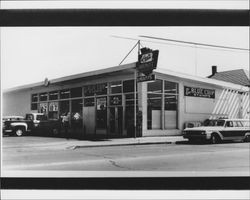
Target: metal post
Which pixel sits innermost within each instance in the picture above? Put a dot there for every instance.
(135, 86)
(135, 82)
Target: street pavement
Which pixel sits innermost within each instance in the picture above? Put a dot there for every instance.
(164, 155)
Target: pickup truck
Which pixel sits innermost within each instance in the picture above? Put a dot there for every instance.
(31, 123)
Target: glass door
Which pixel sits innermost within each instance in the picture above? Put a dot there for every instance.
(116, 120)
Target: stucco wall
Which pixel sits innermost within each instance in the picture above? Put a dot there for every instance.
(16, 103)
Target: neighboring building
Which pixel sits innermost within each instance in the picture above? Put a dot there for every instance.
(104, 101)
(237, 76)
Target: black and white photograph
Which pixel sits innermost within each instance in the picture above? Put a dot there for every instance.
(97, 102)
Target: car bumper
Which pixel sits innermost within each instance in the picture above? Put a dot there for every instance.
(201, 137)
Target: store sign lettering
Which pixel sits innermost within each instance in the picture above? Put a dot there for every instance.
(150, 77)
(147, 61)
(199, 92)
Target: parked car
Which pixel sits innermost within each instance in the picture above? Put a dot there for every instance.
(32, 123)
(218, 130)
(10, 125)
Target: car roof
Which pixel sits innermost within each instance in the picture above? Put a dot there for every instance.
(237, 119)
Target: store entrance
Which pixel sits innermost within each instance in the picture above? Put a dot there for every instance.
(116, 120)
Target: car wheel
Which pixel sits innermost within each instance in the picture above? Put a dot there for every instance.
(19, 132)
(247, 138)
(215, 139)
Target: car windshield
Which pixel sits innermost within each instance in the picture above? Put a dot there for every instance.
(215, 123)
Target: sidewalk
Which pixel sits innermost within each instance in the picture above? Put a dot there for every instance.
(125, 141)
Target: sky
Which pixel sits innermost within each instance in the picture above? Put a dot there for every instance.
(30, 54)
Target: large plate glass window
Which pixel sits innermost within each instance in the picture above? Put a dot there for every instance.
(116, 87)
(155, 104)
(34, 98)
(101, 112)
(53, 110)
(65, 94)
(43, 108)
(76, 92)
(43, 96)
(88, 102)
(115, 100)
(76, 109)
(128, 86)
(53, 95)
(101, 89)
(170, 104)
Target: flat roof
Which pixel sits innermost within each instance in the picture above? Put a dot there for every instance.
(132, 66)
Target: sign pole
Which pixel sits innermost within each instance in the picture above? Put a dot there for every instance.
(135, 86)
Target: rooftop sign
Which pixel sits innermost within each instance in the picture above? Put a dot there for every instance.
(147, 62)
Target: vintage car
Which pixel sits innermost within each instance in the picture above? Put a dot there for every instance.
(8, 122)
(218, 130)
(31, 123)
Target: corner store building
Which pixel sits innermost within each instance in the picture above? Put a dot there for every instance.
(105, 101)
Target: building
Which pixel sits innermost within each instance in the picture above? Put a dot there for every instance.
(104, 101)
(237, 76)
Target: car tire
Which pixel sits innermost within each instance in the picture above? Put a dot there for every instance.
(214, 139)
(247, 138)
(19, 131)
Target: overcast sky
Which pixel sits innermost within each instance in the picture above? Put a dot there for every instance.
(29, 54)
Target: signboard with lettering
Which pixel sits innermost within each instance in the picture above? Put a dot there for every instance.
(199, 92)
(147, 61)
(150, 77)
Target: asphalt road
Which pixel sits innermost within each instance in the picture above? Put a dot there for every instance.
(190, 158)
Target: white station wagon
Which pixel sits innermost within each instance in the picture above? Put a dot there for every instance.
(217, 130)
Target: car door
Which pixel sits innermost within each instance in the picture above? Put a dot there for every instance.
(228, 132)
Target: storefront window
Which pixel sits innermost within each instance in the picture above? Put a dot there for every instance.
(64, 94)
(53, 95)
(115, 100)
(64, 107)
(43, 108)
(101, 89)
(128, 86)
(170, 87)
(34, 98)
(76, 109)
(34, 106)
(44, 97)
(76, 92)
(170, 104)
(92, 90)
(155, 86)
(101, 112)
(154, 111)
(53, 110)
(116, 87)
(155, 104)
(129, 113)
(89, 102)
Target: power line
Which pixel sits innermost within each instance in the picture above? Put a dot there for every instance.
(172, 44)
(195, 43)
